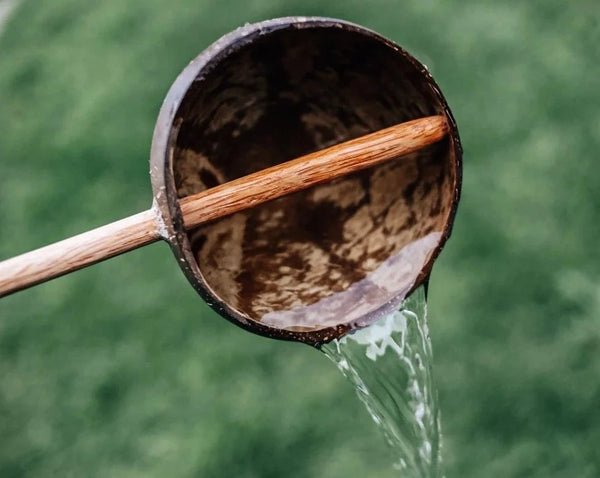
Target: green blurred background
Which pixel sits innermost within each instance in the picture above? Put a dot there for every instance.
(121, 370)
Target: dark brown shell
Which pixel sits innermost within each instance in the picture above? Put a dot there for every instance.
(313, 265)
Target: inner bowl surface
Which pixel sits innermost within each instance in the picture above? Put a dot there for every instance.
(335, 256)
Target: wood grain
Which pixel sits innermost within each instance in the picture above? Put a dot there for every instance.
(141, 229)
(77, 252)
(312, 169)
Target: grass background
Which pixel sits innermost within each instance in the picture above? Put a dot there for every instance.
(120, 370)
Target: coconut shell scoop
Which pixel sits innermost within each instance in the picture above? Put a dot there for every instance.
(302, 249)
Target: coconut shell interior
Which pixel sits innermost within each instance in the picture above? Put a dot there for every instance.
(341, 253)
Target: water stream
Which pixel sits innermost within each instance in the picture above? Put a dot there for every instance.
(390, 364)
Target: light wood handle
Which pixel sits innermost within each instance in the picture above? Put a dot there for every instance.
(77, 252)
(141, 229)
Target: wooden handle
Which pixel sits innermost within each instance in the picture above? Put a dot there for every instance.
(312, 169)
(77, 252)
(141, 229)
